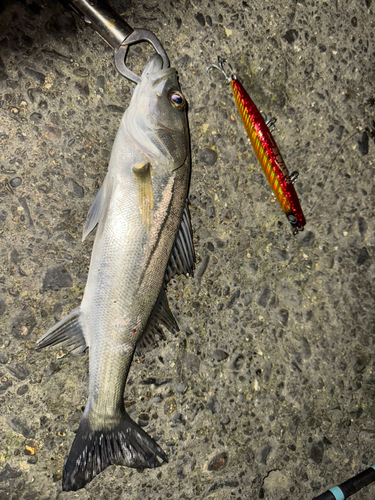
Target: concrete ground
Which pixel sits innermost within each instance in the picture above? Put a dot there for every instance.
(268, 389)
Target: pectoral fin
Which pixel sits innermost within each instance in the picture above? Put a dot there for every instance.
(145, 195)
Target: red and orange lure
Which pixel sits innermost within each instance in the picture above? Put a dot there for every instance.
(266, 150)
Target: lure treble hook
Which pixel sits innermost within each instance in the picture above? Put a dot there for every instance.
(221, 62)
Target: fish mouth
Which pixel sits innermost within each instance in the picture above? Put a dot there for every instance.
(164, 74)
(155, 70)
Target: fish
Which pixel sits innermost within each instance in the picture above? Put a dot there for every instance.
(143, 239)
(266, 150)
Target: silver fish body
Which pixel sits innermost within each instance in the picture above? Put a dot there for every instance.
(143, 238)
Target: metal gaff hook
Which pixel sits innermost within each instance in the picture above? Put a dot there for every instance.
(220, 66)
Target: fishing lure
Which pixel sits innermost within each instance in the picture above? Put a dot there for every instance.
(266, 150)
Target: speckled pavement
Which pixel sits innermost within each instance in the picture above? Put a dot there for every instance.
(268, 389)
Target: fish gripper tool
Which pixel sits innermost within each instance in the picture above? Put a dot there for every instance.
(114, 30)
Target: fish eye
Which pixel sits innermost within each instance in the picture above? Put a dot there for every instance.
(177, 100)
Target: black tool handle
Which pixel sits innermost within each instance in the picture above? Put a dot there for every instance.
(351, 486)
(325, 496)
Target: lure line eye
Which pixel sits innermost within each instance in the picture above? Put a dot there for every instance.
(177, 100)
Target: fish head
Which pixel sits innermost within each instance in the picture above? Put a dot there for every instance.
(157, 116)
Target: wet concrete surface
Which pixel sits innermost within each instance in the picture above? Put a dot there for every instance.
(268, 389)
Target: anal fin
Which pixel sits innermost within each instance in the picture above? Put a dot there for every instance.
(68, 332)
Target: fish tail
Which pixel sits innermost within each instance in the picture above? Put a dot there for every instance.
(94, 450)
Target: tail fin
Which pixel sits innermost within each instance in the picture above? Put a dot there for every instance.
(92, 451)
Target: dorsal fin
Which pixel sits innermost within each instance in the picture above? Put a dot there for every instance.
(182, 257)
(161, 315)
